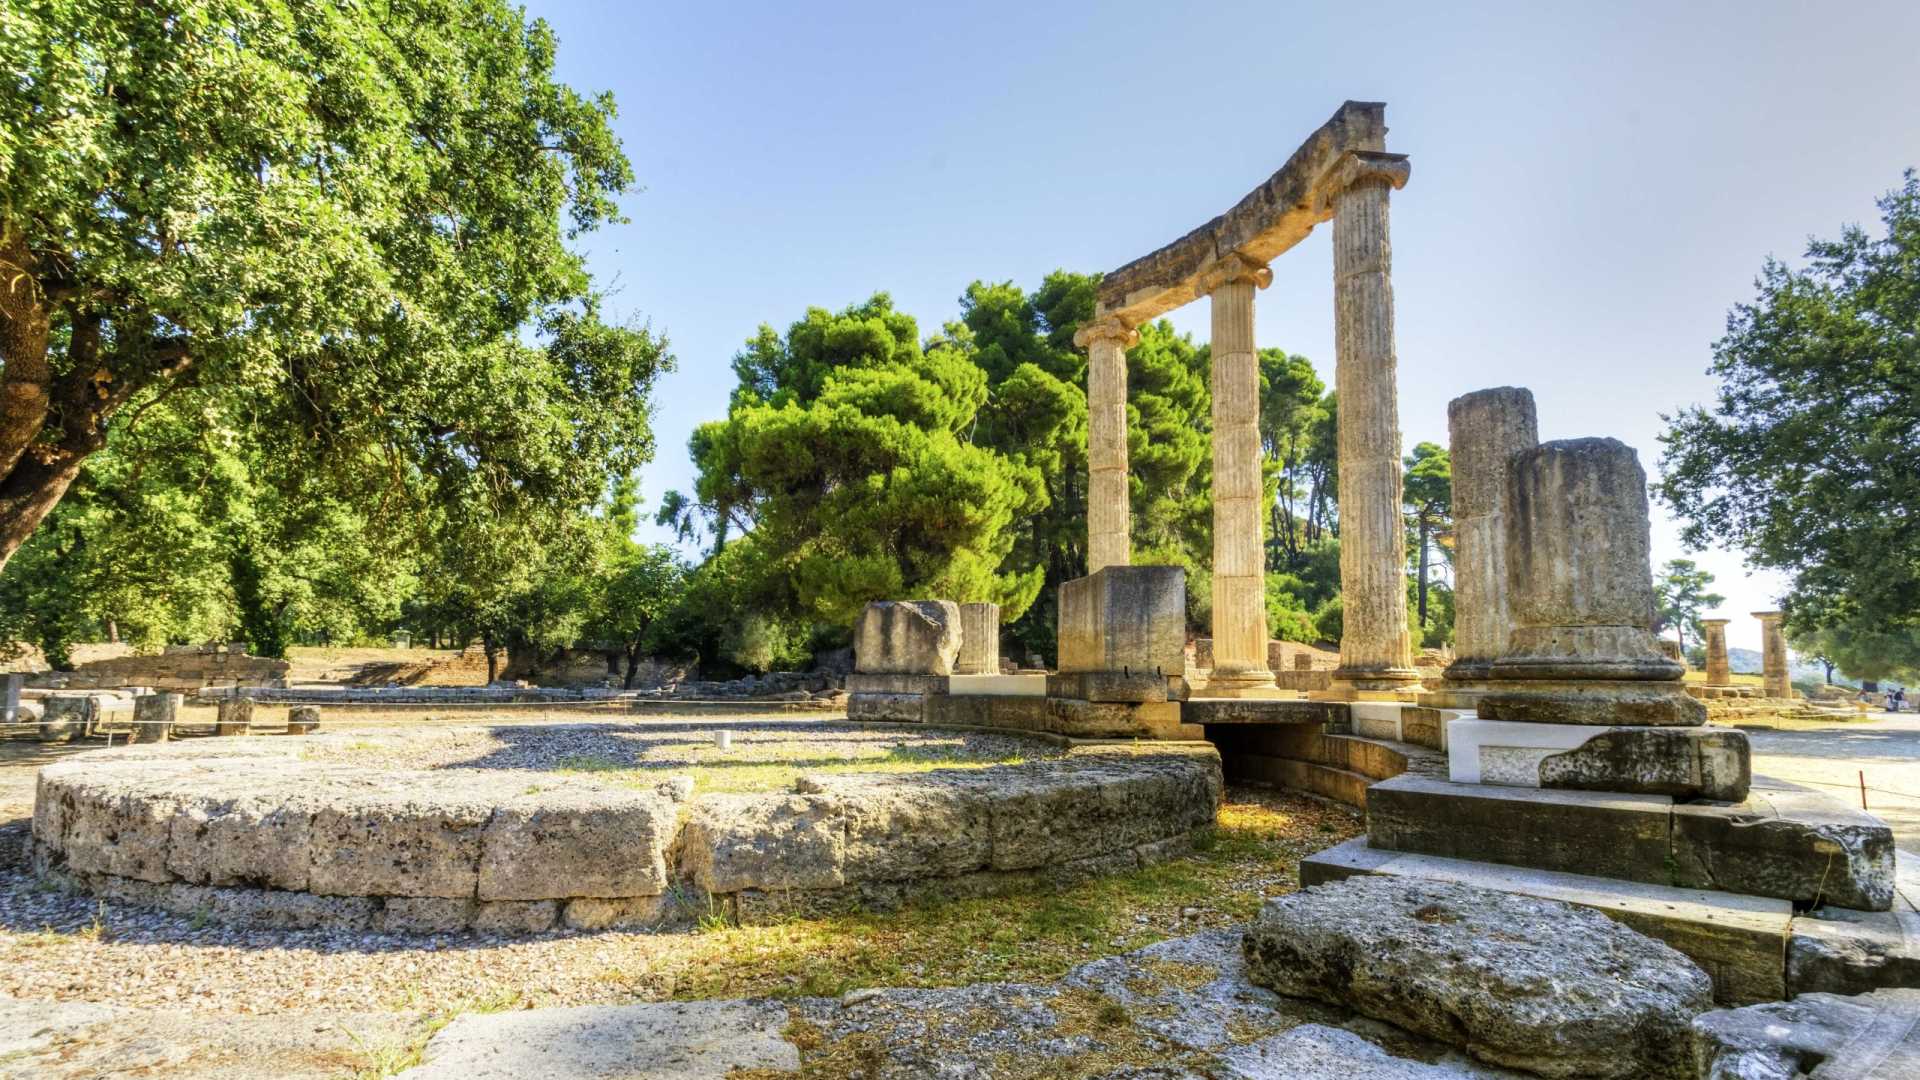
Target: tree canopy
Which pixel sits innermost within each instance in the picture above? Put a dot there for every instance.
(1679, 596)
(1809, 461)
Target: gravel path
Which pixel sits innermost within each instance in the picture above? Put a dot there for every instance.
(1832, 759)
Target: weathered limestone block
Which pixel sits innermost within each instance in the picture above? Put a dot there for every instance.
(911, 826)
(258, 832)
(514, 916)
(1580, 593)
(153, 717)
(907, 637)
(1840, 951)
(1598, 833)
(1118, 686)
(1099, 804)
(1118, 720)
(566, 840)
(733, 842)
(1514, 980)
(626, 912)
(1872, 1037)
(1485, 430)
(1788, 842)
(979, 640)
(413, 839)
(235, 716)
(113, 825)
(1125, 618)
(67, 716)
(427, 914)
(303, 719)
(898, 708)
(1686, 763)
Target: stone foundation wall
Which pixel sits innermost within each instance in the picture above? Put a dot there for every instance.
(1302, 757)
(251, 833)
(178, 670)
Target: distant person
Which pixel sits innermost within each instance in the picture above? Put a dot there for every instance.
(1899, 699)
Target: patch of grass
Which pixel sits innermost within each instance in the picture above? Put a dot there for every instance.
(382, 1060)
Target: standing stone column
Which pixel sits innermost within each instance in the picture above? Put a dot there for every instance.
(979, 640)
(1580, 594)
(1719, 671)
(10, 711)
(235, 716)
(1773, 654)
(154, 716)
(1375, 650)
(1485, 429)
(1109, 516)
(1239, 555)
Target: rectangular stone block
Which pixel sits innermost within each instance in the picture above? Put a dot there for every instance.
(259, 835)
(768, 842)
(896, 708)
(568, 841)
(907, 637)
(1110, 720)
(1787, 842)
(627, 912)
(931, 825)
(1617, 836)
(390, 844)
(1045, 817)
(1137, 686)
(870, 683)
(1125, 618)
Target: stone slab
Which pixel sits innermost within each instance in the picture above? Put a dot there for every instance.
(863, 682)
(1118, 686)
(1736, 939)
(680, 1040)
(566, 840)
(1786, 841)
(1515, 980)
(996, 685)
(1206, 710)
(1841, 951)
(1686, 763)
(1607, 835)
(1820, 1036)
(895, 708)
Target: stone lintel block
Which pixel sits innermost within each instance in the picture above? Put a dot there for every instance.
(1136, 686)
(1606, 835)
(1125, 618)
(1686, 763)
(1837, 950)
(869, 683)
(565, 840)
(1330, 714)
(1596, 702)
(1788, 842)
(907, 637)
(899, 708)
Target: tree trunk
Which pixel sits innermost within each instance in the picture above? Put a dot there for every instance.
(1828, 664)
(633, 665)
(1423, 572)
(29, 493)
(26, 328)
(493, 663)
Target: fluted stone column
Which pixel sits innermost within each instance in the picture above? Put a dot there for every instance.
(1580, 594)
(979, 640)
(1485, 429)
(1375, 650)
(1719, 671)
(1773, 654)
(1239, 556)
(1109, 515)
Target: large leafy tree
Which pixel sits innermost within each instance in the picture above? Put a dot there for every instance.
(1809, 462)
(844, 455)
(340, 215)
(1679, 596)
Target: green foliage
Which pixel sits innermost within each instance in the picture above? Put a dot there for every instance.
(1679, 596)
(1328, 619)
(1427, 488)
(1868, 654)
(1809, 461)
(1288, 616)
(1298, 439)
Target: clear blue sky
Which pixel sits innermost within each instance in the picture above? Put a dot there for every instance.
(1593, 185)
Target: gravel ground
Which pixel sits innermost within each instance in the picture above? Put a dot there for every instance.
(72, 948)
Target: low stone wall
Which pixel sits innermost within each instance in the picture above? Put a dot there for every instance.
(184, 669)
(250, 832)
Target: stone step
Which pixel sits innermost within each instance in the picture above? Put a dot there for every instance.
(1738, 940)
(1785, 842)
(1823, 1036)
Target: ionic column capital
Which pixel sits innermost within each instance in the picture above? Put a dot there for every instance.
(1360, 167)
(1234, 268)
(1107, 328)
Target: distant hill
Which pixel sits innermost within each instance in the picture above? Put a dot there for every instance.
(1745, 661)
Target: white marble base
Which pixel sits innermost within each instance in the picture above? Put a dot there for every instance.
(999, 685)
(1507, 752)
(1378, 719)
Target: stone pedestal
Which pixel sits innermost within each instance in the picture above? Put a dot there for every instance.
(303, 719)
(1375, 650)
(1773, 654)
(235, 716)
(1580, 593)
(1719, 671)
(979, 640)
(1239, 556)
(1485, 429)
(903, 650)
(65, 717)
(1125, 619)
(153, 717)
(1109, 515)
